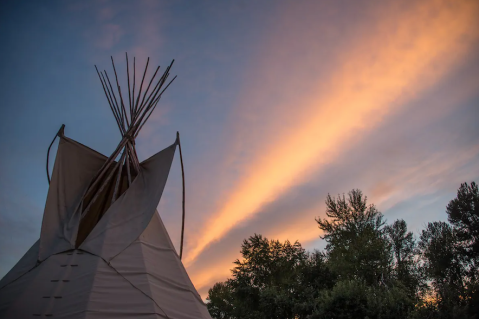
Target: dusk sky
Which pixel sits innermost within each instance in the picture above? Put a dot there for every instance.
(278, 103)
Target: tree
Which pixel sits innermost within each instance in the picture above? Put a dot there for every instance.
(266, 283)
(315, 277)
(220, 301)
(347, 299)
(356, 245)
(354, 299)
(463, 214)
(269, 263)
(368, 269)
(404, 251)
(443, 265)
(451, 255)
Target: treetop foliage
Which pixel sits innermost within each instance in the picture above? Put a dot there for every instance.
(369, 269)
(463, 214)
(352, 215)
(356, 245)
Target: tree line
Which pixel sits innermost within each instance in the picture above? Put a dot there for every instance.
(369, 268)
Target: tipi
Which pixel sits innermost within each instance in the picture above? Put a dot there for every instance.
(103, 250)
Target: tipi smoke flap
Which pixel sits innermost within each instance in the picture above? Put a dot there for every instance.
(103, 250)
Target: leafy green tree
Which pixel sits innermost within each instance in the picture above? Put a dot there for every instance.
(450, 253)
(463, 214)
(368, 269)
(347, 299)
(220, 301)
(315, 276)
(355, 299)
(405, 253)
(443, 265)
(268, 263)
(356, 246)
(266, 283)
(269, 270)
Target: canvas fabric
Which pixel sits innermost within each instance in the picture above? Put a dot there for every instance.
(127, 267)
(25, 264)
(75, 166)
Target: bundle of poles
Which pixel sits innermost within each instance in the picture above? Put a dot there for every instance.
(141, 106)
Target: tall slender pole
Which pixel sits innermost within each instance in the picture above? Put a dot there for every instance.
(60, 132)
(183, 198)
(119, 92)
(118, 178)
(141, 86)
(129, 89)
(109, 102)
(141, 108)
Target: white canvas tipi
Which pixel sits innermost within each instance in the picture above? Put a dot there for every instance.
(103, 250)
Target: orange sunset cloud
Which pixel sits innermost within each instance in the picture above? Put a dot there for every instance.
(402, 54)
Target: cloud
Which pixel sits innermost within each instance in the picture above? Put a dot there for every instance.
(397, 58)
(119, 27)
(105, 30)
(146, 37)
(412, 162)
(108, 36)
(106, 13)
(424, 183)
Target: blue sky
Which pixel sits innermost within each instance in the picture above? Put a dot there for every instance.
(278, 104)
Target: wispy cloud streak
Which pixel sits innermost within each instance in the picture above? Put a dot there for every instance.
(374, 79)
